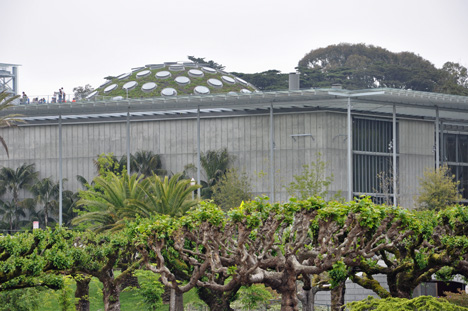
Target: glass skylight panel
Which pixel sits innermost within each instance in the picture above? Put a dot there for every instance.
(215, 83)
(209, 70)
(148, 87)
(181, 80)
(196, 73)
(92, 95)
(163, 74)
(245, 91)
(228, 80)
(201, 90)
(130, 85)
(124, 76)
(110, 88)
(143, 73)
(169, 91)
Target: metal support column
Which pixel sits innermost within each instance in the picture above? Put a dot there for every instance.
(272, 157)
(198, 151)
(128, 141)
(60, 171)
(394, 149)
(437, 148)
(350, 153)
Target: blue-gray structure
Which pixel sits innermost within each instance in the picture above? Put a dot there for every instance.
(9, 78)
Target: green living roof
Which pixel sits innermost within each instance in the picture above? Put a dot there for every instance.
(172, 79)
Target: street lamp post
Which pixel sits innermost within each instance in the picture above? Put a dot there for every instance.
(192, 183)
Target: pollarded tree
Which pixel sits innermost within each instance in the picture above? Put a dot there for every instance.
(24, 257)
(100, 255)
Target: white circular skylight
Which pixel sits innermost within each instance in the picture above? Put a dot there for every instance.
(196, 73)
(245, 91)
(143, 73)
(176, 68)
(228, 80)
(163, 74)
(209, 70)
(201, 90)
(155, 66)
(242, 81)
(169, 91)
(215, 83)
(148, 87)
(130, 85)
(92, 95)
(117, 98)
(110, 88)
(232, 93)
(124, 76)
(181, 80)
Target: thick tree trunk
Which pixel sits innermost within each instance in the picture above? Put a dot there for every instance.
(307, 298)
(82, 293)
(338, 297)
(289, 294)
(177, 301)
(130, 281)
(216, 300)
(110, 292)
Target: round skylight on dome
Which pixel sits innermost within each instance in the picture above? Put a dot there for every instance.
(196, 73)
(228, 80)
(117, 98)
(176, 68)
(163, 74)
(215, 83)
(124, 76)
(130, 85)
(169, 91)
(143, 73)
(189, 64)
(241, 81)
(209, 70)
(155, 66)
(201, 90)
(181, 80)
(92, 95)
(232, 93)
(110, 88)
(245, 91)
(148, 87)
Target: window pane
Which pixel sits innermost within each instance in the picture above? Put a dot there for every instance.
(450, 148)
(463, 148)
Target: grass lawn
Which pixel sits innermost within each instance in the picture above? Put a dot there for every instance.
(129, 299)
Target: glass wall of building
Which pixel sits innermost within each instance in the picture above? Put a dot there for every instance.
(373, 159)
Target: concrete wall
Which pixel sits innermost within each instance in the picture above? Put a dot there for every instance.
(245, 137)
(416, 155)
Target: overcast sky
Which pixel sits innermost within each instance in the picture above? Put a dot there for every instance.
(69, 43)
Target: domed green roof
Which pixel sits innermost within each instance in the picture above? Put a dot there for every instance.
(172, 79)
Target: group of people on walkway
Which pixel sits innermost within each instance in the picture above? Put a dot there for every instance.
(61, 96)
(58, 97)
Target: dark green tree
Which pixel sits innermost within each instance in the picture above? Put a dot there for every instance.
(14, 180)
(8, 120)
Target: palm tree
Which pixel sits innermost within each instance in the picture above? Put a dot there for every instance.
(119, 200)
(9, 213)
(15, 180)
(169, 196)
(46, 193)
(215, 163)
(6, 101)
(146, 163)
